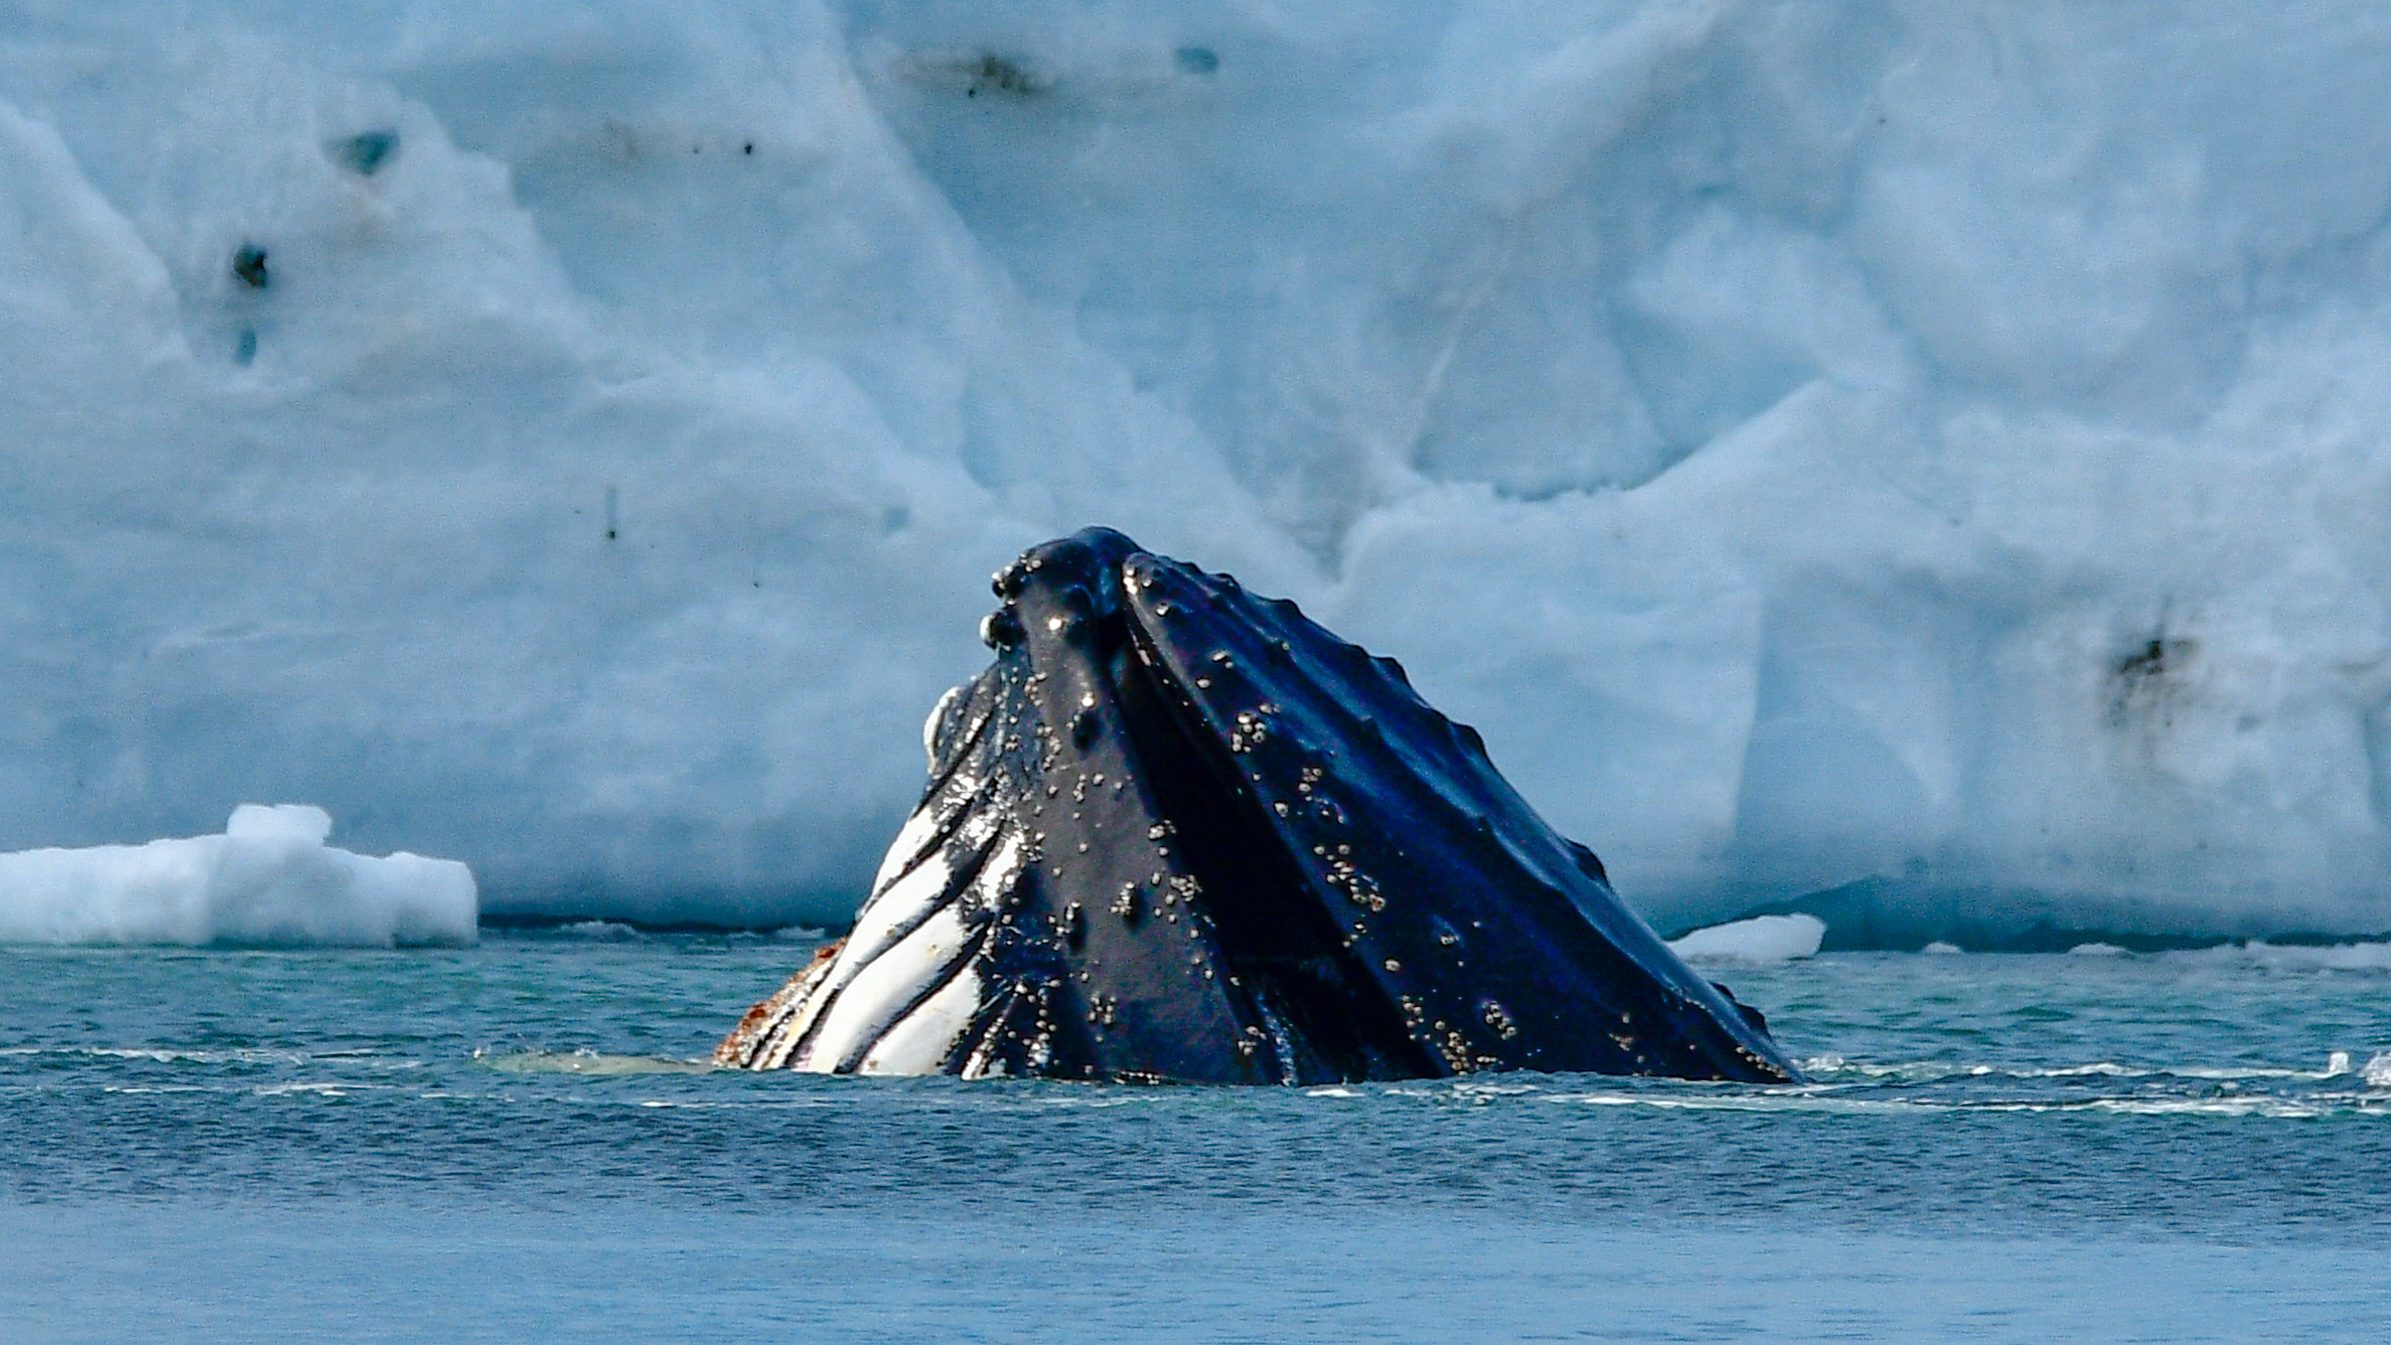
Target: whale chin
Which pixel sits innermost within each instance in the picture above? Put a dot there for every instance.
(1178, 832)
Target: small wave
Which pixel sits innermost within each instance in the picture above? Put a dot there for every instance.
(590, 1063)
(2271, 1105)
(2291, 956)
(1830, 1068)
(163, 1056)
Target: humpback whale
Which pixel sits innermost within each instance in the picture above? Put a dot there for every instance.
(1178, 832)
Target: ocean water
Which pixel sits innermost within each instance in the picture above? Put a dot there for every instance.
(520, 1141)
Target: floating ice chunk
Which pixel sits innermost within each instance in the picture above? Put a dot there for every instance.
(1938, 948)
(1763, 938)
(602, 931)
(269, 879)
(2377, 1073)
(2099, 950)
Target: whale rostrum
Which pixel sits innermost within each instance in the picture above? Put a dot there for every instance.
(1180, 832)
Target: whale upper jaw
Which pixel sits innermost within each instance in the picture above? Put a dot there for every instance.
(1179, 832)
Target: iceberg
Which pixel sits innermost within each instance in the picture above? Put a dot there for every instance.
(1939, 447)
(268, 880)
(1762, 938)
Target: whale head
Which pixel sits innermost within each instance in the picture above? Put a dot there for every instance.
(1177, 831)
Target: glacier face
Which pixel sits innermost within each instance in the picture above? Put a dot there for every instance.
(1816, 443)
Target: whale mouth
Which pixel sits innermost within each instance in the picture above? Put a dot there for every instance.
(1176, 831)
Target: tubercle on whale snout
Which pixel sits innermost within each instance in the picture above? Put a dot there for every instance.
(1177, 831)
(1085, 573)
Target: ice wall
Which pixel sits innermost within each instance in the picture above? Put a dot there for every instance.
(269, 879)
(1936, 451)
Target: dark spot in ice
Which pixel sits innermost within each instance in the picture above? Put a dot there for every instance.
(992, 73)
(2151, 659)
(1197, 60)
(749, 148)
(244, 348)
(366, 154)
(2146, 679)
(249, 266)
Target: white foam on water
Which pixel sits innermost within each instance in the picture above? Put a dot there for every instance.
(595, 1064)
(2294, 957)
(2377, 1073)
(1763, 938)
(269, 880)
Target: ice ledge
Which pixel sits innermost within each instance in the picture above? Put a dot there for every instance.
(268, 880)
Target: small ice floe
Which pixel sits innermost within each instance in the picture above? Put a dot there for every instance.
(1763, 938)
(1938, 948)
(2099, 950)
(269, 879)
(2377, 1073)
(601, 931)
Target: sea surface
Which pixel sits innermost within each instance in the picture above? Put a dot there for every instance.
(520, 1141)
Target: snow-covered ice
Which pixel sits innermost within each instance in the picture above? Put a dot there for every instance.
(1763, 938)
(269, 879)
(1940, 445)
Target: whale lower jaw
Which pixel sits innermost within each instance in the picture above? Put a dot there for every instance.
(1176, 832)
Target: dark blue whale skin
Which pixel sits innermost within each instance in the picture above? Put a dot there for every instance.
(1246, 852)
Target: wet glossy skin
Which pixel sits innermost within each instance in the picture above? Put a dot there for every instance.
(1179, 832)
